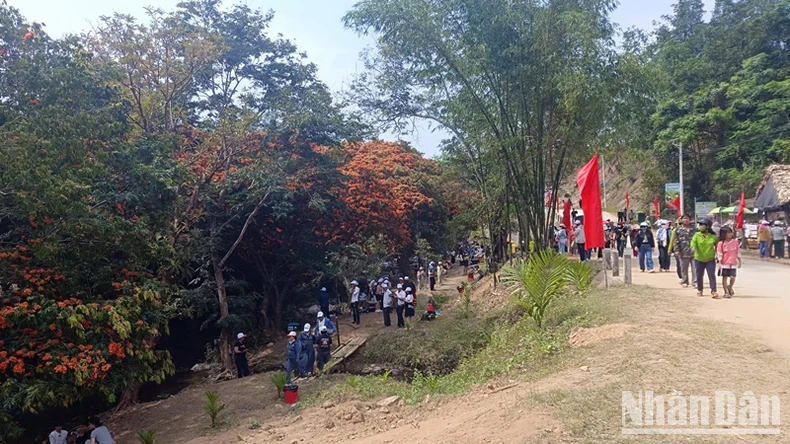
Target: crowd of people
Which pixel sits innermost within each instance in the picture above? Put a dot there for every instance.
(771, 239)
(707, 249)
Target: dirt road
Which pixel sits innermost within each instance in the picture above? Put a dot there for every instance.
(761, 304)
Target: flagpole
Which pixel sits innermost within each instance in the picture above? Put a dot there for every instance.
(680, 160)
(603, 176)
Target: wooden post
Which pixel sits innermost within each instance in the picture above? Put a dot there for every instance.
(615, 263)
(627, 268)
(607, 258)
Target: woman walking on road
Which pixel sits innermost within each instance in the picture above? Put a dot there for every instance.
(703, 245)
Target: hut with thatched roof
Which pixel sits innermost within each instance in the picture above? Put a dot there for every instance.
(773, 194)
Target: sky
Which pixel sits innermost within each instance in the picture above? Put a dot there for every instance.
(314, 25)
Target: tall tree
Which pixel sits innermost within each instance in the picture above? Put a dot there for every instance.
(527, 80)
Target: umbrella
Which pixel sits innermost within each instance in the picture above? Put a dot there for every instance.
(717, 210)
(732, 210)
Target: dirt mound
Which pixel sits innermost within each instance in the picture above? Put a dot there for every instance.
(586, 336)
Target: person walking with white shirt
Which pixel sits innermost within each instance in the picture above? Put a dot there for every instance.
(386, 304)
(410, 303)
(58, 436)
(400, 305)
(662, 242)
(355, 302)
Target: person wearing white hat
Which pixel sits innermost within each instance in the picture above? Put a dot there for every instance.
(386, 305)
(294, 356)
(307, 340)
(324, 322)
(400, 305)
(355, 302)
(240, 356)
(323, 300)
(645, 242)
(324, 342)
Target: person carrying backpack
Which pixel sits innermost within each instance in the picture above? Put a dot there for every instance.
(324, 343)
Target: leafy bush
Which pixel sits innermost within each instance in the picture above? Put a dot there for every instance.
(213, 407)
(146, 436)
(279, 380)
(580, 275)
(255, 425)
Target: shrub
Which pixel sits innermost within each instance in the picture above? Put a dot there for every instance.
(213, 407)
(279, 380)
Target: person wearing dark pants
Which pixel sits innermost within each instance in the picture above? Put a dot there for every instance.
(400, 305)
(387, 306)
(240, 356)
(703, 244)
(294, 353)
(578, 233)
(323, 300)
(324, 342)
(355, 302)
(662, 242)
(308, 349)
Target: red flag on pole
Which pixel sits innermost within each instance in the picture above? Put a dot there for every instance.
(741, 207)
(566, 214)
(676, 204)
(627, 202)
(589, 185)
(657, 208)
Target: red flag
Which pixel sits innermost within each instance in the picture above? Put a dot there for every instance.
(589, 185)
(741, 207)
(657, 208)
(676, 204)
(627, 202)
(566, 215)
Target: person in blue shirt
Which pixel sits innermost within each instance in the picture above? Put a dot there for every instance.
(294, 353)
(323, 300)
(324, 322)
(307, 340)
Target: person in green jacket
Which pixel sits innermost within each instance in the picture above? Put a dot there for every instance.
(703, 245)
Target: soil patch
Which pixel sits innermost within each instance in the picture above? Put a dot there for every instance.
(587, 336)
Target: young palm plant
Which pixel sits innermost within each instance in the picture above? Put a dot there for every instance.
(534, 284)
(212, 406)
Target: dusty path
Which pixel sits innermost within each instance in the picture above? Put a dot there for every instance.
(762, 302)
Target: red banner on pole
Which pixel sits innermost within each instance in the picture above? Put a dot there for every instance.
(589, 184)
(741, 208)
(627, 202)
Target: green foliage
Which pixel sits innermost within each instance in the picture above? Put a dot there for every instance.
(255, 425)
(435, 347)
(212, 406)
(146, 436)
(727, 97)
(466, 301)
(580, 276)
(535, 284)
(279, 380)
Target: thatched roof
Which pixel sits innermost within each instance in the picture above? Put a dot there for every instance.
(776, 181)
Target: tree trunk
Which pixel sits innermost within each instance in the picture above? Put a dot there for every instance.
(222, 297)
(128, 398)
